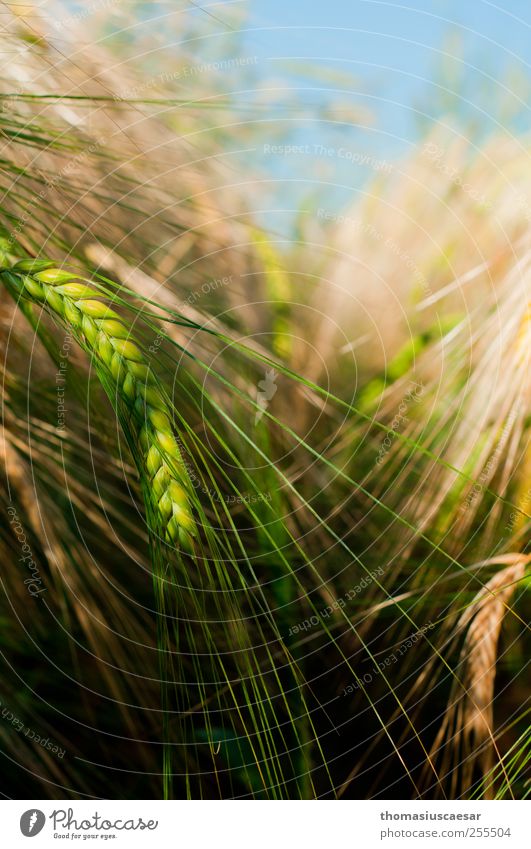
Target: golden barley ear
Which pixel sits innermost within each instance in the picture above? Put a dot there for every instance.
(466, 741)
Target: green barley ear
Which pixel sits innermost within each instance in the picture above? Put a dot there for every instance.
(127, 379)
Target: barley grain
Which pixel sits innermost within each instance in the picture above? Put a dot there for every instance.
(98, 328)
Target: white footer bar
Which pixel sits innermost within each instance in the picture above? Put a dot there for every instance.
(266, 825)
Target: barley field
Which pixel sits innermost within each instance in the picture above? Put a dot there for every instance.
(266, 476)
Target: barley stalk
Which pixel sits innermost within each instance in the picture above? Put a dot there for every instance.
(101, 331)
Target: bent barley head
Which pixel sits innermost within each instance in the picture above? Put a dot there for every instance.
(100, 330)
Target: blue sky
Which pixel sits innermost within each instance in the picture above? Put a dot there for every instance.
(392, 48)
(395, 54)
(360, 78)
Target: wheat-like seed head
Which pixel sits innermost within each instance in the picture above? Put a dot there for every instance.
(102, 332)
(467, 733)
